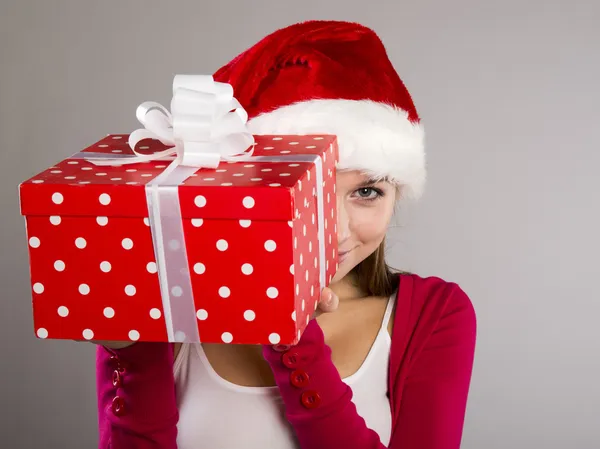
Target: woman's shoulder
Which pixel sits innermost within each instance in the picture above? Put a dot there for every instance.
(432, 301)
(431, 312)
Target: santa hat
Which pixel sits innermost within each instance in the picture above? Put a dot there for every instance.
(330, 77)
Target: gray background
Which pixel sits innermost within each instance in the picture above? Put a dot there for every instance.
(509, 94)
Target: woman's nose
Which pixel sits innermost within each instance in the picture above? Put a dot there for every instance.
(343, 223)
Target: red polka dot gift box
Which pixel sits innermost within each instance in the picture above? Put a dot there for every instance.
(233, 254)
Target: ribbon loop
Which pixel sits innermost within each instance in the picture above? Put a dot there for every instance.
(206, 125)
(200, 83)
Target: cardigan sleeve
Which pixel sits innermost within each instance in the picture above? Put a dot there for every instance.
(319, 404)
(136, 397)
(434, 395)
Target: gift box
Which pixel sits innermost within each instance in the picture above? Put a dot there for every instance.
(258, 242)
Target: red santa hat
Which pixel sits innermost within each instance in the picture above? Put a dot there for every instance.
(330, 77)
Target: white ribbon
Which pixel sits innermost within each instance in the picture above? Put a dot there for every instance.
(205, 126)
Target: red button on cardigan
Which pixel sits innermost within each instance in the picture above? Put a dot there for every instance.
(310, 399)
(281, 348)
(299, 378)
(117, 380)
(118, 406)
(291, 359)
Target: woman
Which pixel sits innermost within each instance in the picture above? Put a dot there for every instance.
(389, 365)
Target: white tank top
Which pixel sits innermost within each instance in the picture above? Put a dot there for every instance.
(215, 413)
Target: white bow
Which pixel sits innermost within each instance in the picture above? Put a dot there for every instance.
(206, 125)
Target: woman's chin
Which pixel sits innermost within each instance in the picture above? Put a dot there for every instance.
(344, 268)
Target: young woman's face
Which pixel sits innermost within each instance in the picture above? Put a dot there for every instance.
(364, 212)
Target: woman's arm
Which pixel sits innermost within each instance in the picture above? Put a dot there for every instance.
(137, 406)
(434, 397)
(319, 404)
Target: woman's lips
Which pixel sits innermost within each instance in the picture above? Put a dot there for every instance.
(343, 254)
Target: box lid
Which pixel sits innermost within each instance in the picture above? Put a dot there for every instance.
(258, 190)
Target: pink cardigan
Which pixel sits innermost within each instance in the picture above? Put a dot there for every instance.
(431, 361)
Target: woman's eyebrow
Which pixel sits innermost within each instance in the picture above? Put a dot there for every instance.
(372, 181)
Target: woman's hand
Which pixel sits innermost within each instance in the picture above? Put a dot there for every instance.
(329, 302)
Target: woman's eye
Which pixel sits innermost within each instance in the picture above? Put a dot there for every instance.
(368, 193)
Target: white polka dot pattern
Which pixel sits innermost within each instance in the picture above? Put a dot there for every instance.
(134, 335)
(226, 337)
(88, 334)
(94, 273)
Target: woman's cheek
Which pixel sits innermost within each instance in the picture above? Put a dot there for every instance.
(371, 223)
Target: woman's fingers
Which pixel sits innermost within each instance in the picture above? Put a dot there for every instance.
(329, 301)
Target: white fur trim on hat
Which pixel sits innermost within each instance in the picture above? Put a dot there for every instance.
(375, 138)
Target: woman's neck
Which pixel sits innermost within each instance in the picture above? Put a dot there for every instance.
(347, 288)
